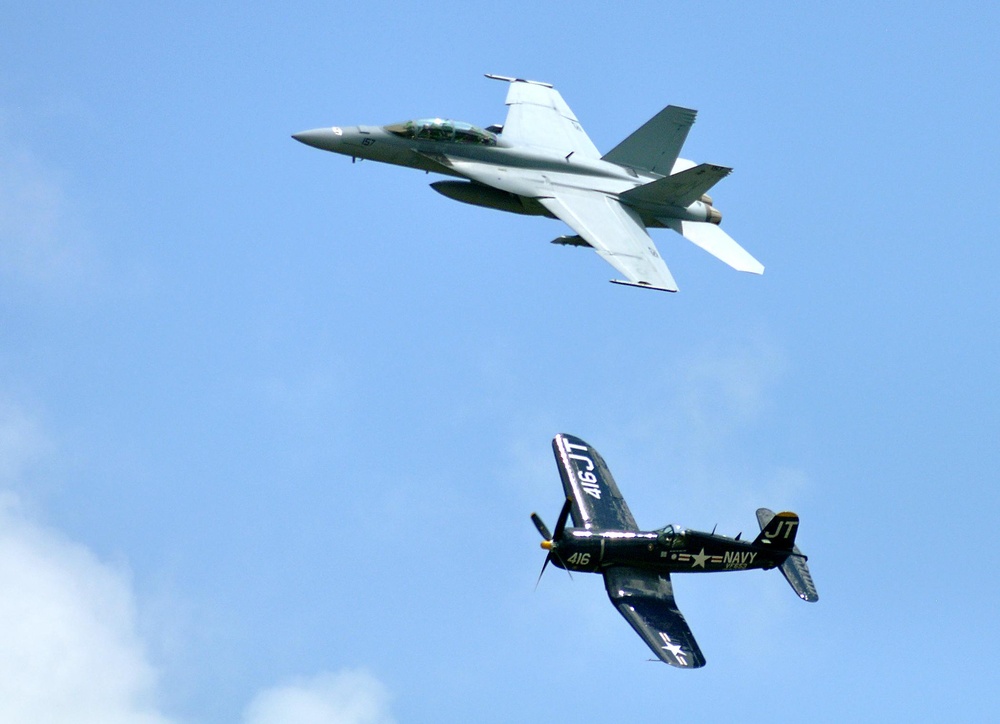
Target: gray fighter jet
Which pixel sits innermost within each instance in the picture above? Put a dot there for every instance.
(541, 162)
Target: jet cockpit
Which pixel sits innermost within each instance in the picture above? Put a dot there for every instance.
(440, 129)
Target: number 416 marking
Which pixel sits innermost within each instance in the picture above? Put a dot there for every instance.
(579, 559)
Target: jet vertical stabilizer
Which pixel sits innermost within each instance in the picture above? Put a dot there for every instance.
(656, 144)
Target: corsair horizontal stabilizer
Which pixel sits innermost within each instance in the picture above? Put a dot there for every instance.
(780, 528)
(716, 242)
(655, 145)
(796, 572)
(680, 190)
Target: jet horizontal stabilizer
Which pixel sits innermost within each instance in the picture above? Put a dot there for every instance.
(679, 190)
(717, 243)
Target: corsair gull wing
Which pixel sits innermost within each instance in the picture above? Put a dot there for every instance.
(596, 500)
(646, 600)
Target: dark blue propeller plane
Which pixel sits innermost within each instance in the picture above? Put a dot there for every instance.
(637, 564)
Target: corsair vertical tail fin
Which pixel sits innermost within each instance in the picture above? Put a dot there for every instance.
(777, 530)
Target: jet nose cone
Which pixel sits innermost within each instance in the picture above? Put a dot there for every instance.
(325, 138)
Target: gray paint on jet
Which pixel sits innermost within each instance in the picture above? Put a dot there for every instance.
(541, 162)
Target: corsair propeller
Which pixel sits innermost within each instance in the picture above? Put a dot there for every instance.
(551, 542)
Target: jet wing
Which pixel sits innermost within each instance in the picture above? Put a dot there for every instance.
(538, 116)
(597, 503)
(617, 234)
(646, 600)
(614, 230)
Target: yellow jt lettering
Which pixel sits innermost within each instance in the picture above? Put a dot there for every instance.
(789, 527)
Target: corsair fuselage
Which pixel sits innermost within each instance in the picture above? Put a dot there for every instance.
(670, 550)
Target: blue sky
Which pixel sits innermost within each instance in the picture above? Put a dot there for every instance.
(271, 425)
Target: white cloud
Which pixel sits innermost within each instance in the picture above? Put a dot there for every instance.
(347, 697)
(69, 651)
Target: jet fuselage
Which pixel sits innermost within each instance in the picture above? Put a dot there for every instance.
(529, 170)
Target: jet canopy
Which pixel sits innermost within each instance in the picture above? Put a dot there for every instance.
(439, 129)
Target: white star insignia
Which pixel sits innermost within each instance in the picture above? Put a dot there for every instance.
(699, 560)
(674, 649)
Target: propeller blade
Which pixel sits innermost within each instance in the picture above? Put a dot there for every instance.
(558, 557)
(543, 570)
(551, 540)
(542, 528)
(563, 515)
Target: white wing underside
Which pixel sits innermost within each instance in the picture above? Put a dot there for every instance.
(616, 233)
(717, 243)
(538, 116)
(614, 230)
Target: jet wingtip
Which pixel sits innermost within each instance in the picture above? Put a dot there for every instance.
(643, 285)
(509, 79)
